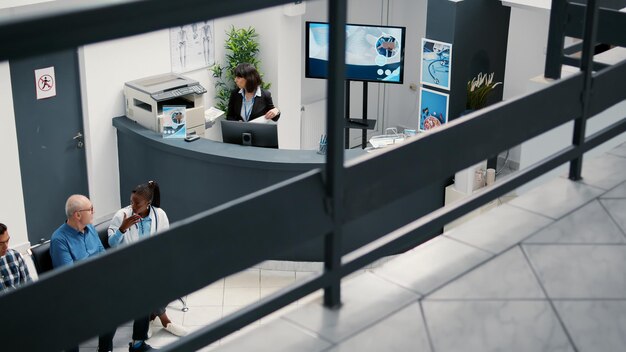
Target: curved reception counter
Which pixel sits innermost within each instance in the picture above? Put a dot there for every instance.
(196, 176)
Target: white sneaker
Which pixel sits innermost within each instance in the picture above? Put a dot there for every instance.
(176, 329)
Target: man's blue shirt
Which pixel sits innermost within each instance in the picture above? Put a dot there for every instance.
(68, 245)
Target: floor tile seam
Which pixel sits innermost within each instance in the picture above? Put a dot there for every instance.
(606, 210)
(469, 244)
(372, 323)
(575, 244)
(391, 281)
(552, 222)
(426, 328)
(223, 296)
(568, 213)
(306, 330)
(616, 186)
(590, 299)
(461, 274)
(614, 154)
(485, 299)
(568, 335)
(531, 211)
(582, 182)
(400, 285)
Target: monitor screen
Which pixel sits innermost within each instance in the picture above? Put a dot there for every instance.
(253, 134)
(373, 53)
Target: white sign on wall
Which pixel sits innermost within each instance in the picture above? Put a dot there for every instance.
(45, 83)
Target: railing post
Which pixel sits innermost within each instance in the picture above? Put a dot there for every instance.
(586, 65)
(556, 35)
(337, 12)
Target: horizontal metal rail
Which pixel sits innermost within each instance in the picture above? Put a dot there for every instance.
(483, 134)
(611, 31)
(413, 234)
(68, 24)
(192, 254)
(108, 290)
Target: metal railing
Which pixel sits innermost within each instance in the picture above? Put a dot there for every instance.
(102, 292)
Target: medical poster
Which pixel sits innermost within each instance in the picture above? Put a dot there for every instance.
(174, 122)
(436, 64)
(433, 109)
(192, 46)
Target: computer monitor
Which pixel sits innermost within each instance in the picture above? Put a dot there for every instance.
(263, 135)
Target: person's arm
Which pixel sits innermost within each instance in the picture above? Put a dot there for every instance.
(163, 220)
(24, 274)
(115, 235)
(232, 113)
(272, 111)
(60, 253)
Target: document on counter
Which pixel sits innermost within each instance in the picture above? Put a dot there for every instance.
(261, 119)
(211, 114)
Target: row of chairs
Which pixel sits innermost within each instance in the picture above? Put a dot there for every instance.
(40, 253)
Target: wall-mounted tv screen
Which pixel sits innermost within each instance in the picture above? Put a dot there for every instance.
(373, 53)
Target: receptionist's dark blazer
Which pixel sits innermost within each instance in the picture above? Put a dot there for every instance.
(261, 106)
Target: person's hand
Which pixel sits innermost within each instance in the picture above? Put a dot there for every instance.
(127, 222)
(271, 114)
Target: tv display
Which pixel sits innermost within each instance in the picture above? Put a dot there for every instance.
(373, 53)
(252, 134)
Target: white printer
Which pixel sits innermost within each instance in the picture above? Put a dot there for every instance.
(146, 97)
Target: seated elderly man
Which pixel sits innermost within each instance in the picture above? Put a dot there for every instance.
(13, 270)
(77, 239)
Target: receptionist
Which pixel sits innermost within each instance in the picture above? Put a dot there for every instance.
(249, 101)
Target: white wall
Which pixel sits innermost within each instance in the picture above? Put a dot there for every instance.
(12, 204)
(104, 68)
(402, 103)
(107, 65)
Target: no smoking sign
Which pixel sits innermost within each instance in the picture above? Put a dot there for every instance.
(45, 82)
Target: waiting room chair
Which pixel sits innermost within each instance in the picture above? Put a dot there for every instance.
(40, 253)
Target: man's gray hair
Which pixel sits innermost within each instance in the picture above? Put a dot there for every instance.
(73, 204)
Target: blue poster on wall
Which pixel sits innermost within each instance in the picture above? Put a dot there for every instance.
(436, 63)
(174, 122)
(433, 109)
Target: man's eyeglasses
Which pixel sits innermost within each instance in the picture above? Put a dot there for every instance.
(5, 242)
(89, 210)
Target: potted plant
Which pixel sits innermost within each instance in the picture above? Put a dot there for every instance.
(241, 46)
(479, 89)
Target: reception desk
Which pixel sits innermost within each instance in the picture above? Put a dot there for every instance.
(196, 176)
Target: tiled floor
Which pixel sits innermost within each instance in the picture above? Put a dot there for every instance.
(215, 301)
(544, 272)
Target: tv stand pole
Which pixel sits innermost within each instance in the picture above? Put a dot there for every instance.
(346, 141)
(364, 131)
(363, 124)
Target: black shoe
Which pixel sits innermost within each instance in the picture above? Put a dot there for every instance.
(143, 347)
